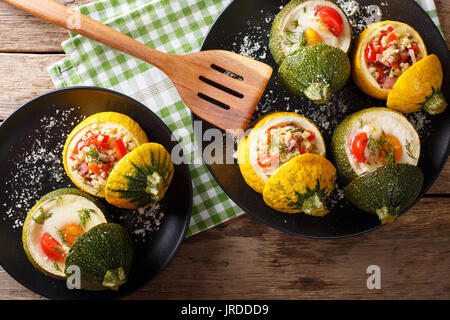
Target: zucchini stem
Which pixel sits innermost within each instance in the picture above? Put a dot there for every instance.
(318, 92)
(385, 216)
(114, 278)
(314, 206)
(435, 104)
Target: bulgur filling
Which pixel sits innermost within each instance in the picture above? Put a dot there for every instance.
(95, 151)
(279, 144)
(391, 52)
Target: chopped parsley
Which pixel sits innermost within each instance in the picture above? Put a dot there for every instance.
(93, 155)
(383, 147)
(85, 215)
(55, 265)
(42, 216)
(408, 149)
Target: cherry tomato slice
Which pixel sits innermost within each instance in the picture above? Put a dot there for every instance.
(52, 248)
(359, 145)
(332, 19)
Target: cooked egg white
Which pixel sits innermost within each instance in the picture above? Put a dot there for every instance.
(379, 124)
(303, 17)
(61, 210)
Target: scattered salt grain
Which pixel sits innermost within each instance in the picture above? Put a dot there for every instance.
(35, 166)
(143, 222)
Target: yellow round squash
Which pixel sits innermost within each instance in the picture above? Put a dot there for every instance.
(141, 178)
(99, 119)
(301, 185)
(419, 87)
(252, 176)
(360, 73)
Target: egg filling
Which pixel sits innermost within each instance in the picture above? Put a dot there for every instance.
(379, 138)
(313, 22)
(54, 227)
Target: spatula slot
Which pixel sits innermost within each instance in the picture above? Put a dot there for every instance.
(221, 87)
(213, 101)
(227, 73)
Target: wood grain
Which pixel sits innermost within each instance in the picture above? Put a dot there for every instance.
(245, 259)
(22, 32)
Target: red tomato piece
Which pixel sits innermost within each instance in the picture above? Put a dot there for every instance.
(332, 19)
(312, 136)
(95, 168)
(359, 145)
(120, 148)
(380, 74)
(370, 53)
(392, 37)
(52, 248)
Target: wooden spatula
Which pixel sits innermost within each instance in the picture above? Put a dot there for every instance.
(220, 87)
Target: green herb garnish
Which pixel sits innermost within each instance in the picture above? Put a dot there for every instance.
(42, 216)
(383, 147)
(85, 215)
(55, 265)
(408, 149)
(93, 154)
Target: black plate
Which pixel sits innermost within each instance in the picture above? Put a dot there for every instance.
(41, 127)
(244, 28)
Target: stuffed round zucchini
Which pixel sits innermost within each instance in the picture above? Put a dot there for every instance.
(54, 224)
(311, 22)
(96, 145)
(372, 138)
(276, 139)
(384, 51)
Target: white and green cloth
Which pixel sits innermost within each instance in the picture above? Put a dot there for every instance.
(173, 26)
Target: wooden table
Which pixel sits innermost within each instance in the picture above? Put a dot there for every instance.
(243, 258)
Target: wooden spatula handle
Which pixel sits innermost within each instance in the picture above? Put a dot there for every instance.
(72, 20)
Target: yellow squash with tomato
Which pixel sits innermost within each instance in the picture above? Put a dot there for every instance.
(390, 62)
(283, 158)
(96, 145)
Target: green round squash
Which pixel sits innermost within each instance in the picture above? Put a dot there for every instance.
(32, 216)
(281, 33)
(340, 136)
(104, 256)
(386, 191)
(316, 71)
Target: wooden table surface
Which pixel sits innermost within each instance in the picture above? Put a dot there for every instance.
(243, 258)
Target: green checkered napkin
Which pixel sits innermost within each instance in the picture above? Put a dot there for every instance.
(173, 26)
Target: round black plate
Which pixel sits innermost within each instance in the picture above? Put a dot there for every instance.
(244, 28)
(41, 127)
